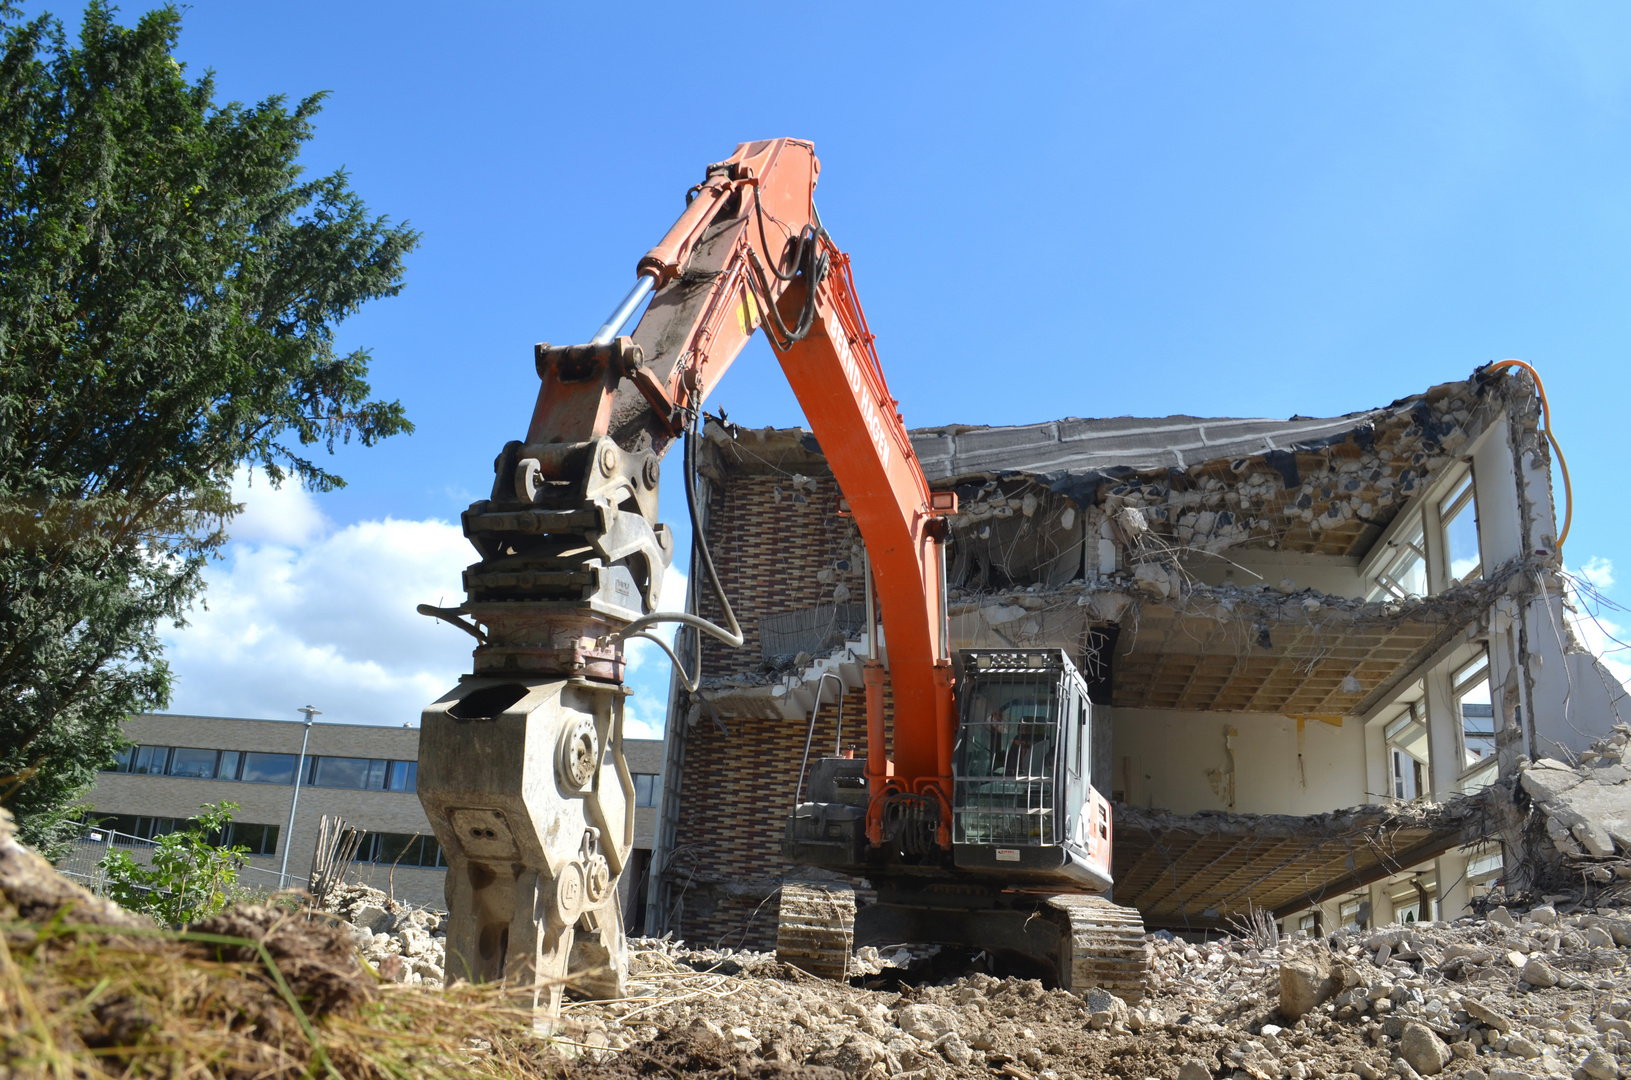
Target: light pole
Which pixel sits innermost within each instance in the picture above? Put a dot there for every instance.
(294, 800)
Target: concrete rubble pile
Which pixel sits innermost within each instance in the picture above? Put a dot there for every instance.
(1544, 993)
(1585, 812)
(404, 943)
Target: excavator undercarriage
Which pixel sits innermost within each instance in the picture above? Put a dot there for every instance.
(1074, 941)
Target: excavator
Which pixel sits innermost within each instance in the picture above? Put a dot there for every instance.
(975, 825)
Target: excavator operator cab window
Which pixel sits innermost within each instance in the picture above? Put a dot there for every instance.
(1006, 762)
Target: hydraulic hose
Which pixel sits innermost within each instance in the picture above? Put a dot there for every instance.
(1546, 429)
(731, 632)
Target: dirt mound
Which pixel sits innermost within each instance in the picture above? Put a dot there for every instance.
(1545, 993)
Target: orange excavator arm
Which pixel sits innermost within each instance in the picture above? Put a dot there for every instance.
(749, 252)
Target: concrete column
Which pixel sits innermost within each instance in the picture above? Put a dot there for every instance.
(1378, 777)
(1381, 904)
(1453, 891)
(1444, 742)
(1443, 736)
(1495, 486)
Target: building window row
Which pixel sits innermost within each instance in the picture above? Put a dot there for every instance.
(254, 767)
(400, 849)
(131, 830)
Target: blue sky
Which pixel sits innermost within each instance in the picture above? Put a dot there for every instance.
(1086, 209)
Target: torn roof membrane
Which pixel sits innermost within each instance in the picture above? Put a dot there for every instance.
(1319, 486)
(1326, 486)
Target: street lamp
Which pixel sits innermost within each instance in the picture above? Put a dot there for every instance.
(294, 800)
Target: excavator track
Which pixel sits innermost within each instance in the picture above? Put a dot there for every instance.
(816, 929)
(1108, 947)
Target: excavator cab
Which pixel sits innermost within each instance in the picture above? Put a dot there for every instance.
(1023, 808)
(1023, 805)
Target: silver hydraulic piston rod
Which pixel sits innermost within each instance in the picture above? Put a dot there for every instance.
(614, 321)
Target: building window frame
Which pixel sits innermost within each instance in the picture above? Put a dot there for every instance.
(647, 788)
(245, 767)
(1409, 775)
(1396, 580)
(1413, 557)
(1461, 498)
(1472, 679)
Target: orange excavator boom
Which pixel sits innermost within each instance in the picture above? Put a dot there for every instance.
(747, 252)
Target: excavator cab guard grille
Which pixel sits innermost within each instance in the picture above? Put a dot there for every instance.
(1014, 748)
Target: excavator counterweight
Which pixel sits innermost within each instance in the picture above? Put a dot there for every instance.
(975, 822)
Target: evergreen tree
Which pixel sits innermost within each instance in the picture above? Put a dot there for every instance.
(169, 287)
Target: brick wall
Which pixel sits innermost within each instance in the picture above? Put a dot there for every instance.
(774, 538)
(779, 545)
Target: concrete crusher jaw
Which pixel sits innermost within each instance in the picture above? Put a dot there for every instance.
(521, 767)
(1086, 941)
(536, 821)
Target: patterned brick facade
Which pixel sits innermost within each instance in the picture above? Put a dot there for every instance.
(780, 545)
(774, 539)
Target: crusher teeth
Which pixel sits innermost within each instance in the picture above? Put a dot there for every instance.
(1108, 947)
(816, 929)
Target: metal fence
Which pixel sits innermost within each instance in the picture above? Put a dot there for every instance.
(83, 862)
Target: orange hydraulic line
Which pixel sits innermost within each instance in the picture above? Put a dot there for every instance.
(1546, 427)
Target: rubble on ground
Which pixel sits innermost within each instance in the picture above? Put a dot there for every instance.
(1543, 993)
(1513, 994)
(1582, 818)
(404, 943)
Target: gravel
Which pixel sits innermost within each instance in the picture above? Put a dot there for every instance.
(1516, 994)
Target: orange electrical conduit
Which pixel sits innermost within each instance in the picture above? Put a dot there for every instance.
(1546, 427)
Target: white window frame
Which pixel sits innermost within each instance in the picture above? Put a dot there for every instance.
(1462, 491)
(1463, 679)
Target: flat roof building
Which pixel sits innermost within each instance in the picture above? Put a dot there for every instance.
(362, 773)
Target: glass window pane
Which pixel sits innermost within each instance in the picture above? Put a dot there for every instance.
(259, 839)
(194, 762)
(376, 775)
(397, 778)
(1005, 762)
(645, 789)
(151, 760)
(398, 847)
(1479, 780)
(230, 760)
(1478, 724)
(341, 772)
(123, 761)
(269, 768)
(1461, 542)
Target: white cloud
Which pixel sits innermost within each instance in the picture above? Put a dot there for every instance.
(274, 515)
(299, 612)
(1599, 571)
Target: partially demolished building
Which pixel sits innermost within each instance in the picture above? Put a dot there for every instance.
(1304, 639)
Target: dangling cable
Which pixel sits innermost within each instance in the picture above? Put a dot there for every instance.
(731, 632)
